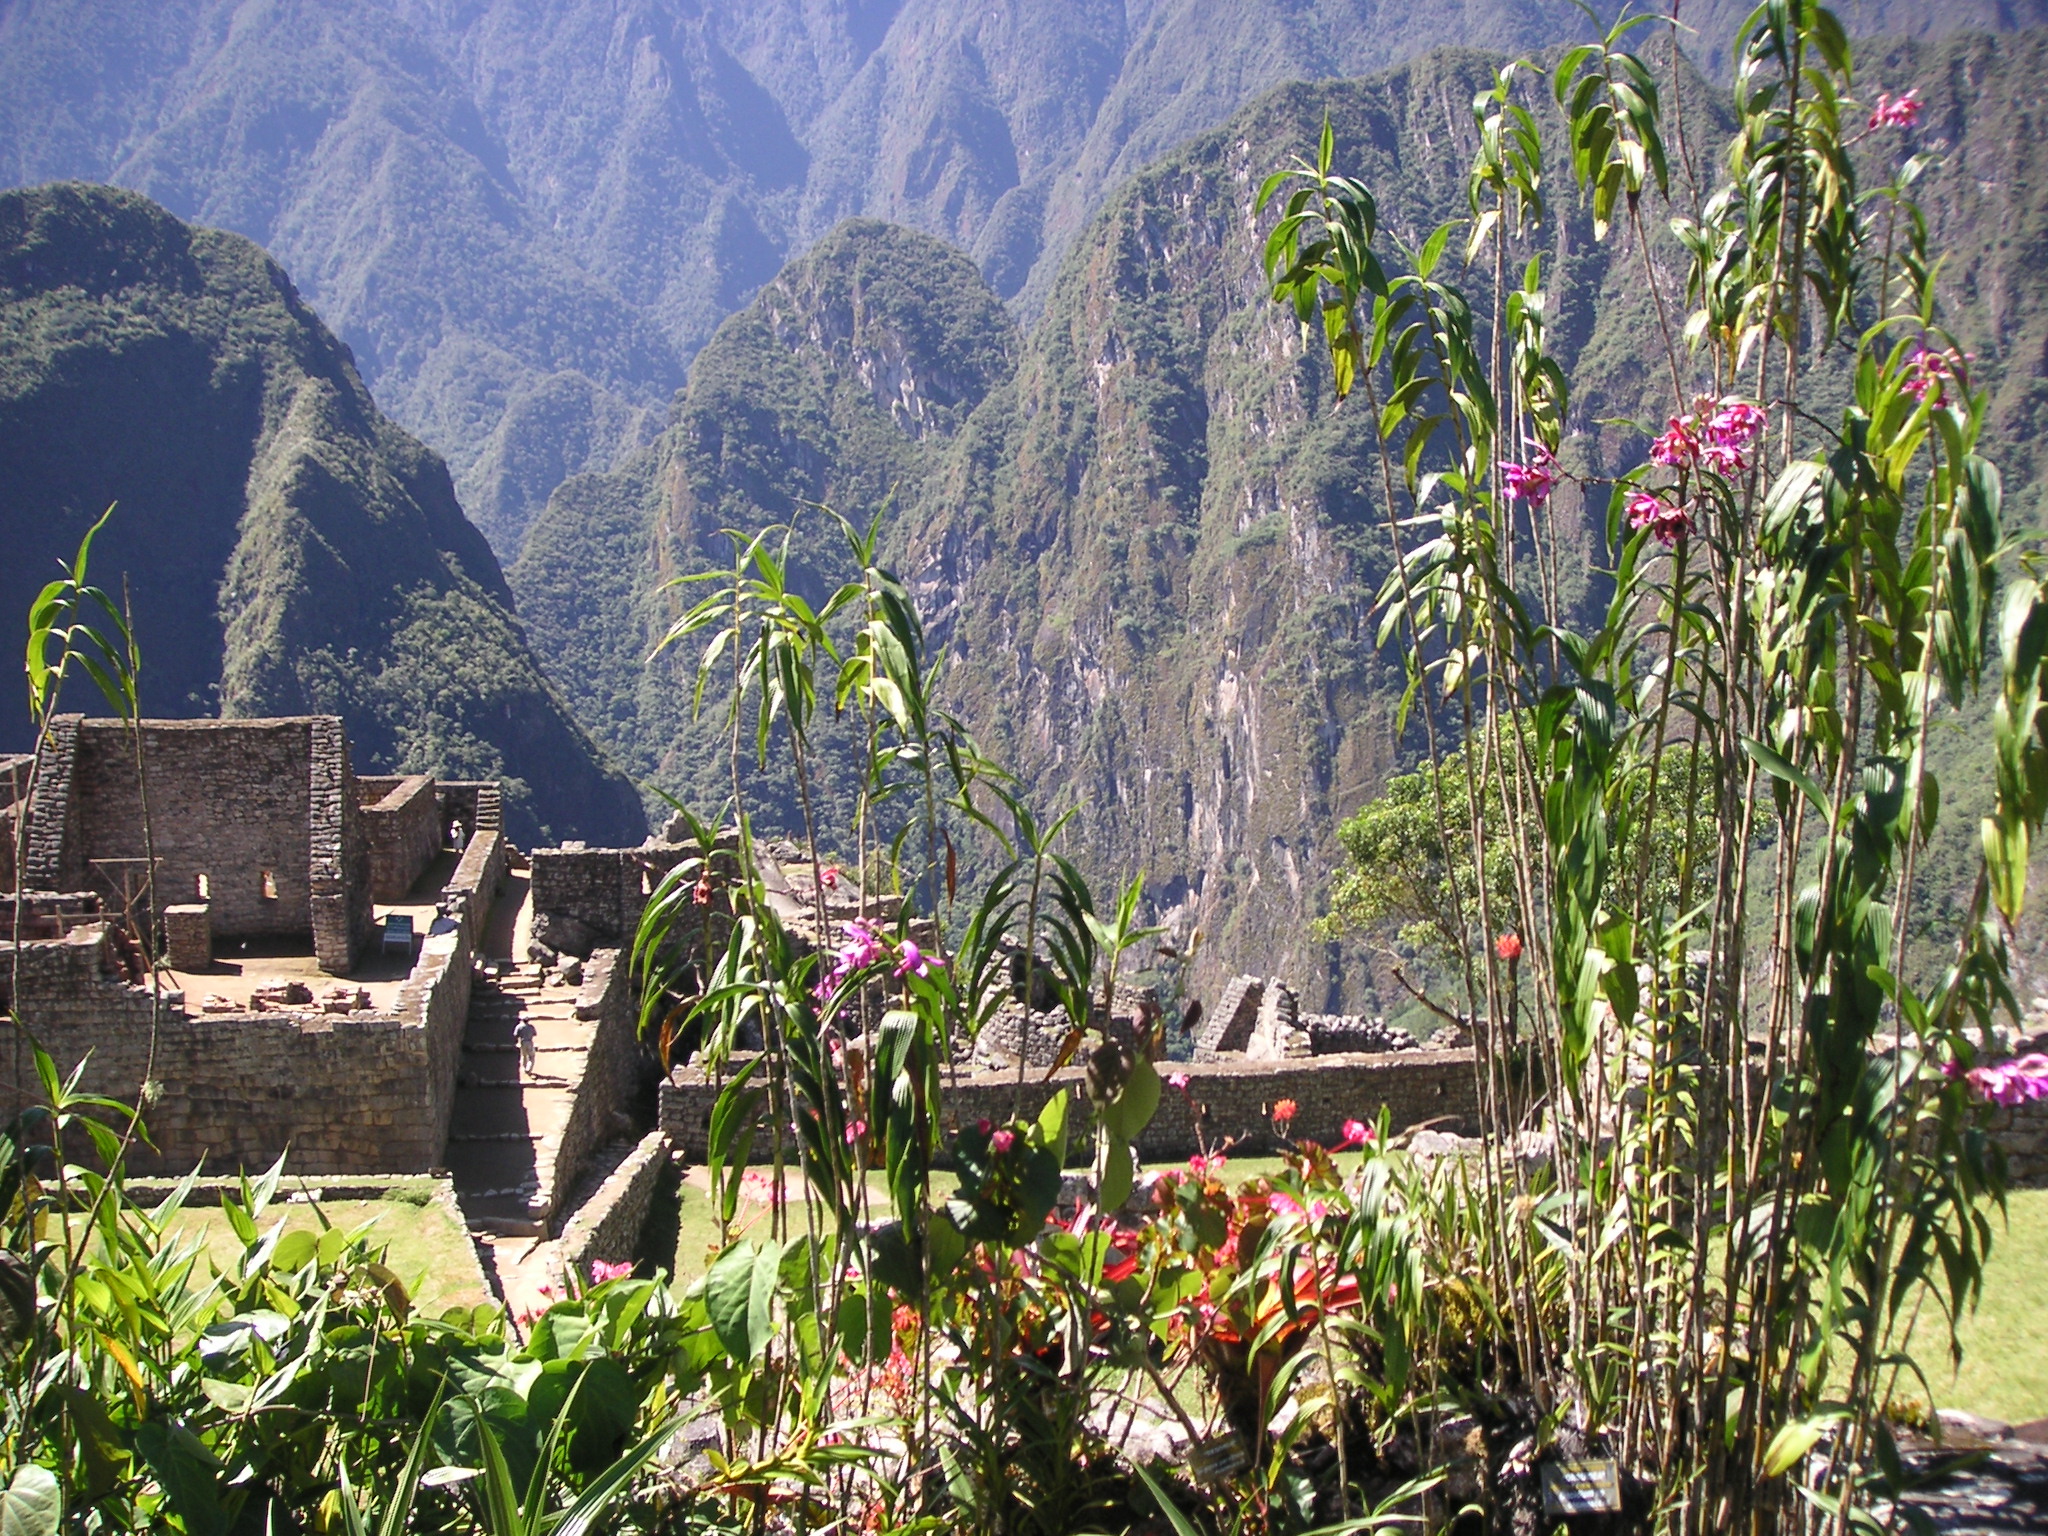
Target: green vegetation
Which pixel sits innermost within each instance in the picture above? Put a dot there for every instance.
(285, 549)
(424, 1244)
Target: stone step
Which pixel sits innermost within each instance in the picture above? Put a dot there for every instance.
(473, 1138)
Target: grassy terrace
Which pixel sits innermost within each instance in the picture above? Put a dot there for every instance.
(426, 1247)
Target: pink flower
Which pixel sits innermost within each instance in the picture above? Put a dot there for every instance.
(855, 1130)
(1531, 482)
(1679, 445)
(829, 877)
(2011, 1082)
(1287, 1205)
(601, 1271)
(700, 893)
(1178, 1081)
(1002, 1141)
(915, 961)
(1730, 434)
(1897, 111)
(1737, 424)
(1206, 1167)
(1671, 524)
(1509, 947)
(859, 949)
(1927, 370)
(1356, 1134)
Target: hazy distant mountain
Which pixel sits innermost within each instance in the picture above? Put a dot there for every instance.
(526, 216)
(286, 548)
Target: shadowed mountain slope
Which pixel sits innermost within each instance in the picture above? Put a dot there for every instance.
(286, 548)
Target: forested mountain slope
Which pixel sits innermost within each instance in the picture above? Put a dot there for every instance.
(1152, 548)
(286, 548)
(525, 216)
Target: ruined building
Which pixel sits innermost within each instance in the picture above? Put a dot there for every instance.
(263, 858)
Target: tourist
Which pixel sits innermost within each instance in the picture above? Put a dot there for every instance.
(527, 1038)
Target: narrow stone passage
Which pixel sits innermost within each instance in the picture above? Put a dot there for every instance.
(506, 1125)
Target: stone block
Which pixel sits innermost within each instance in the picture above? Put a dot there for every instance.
(188, 936)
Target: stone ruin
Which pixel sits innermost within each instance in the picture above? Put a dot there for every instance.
(1260, 1019)
(265, 839)
(263, 860)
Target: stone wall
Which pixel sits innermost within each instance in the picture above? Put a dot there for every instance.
(478, 804)
(608, 1226)
(255, 817)
(478, 877)
(611, 1071)
(2022, 1130)
(14, 776)
(14, 771)
(402, 825)
(435, 1005)
(585, 898)
(1235, 1099)
(338, 854)
(347, 1094)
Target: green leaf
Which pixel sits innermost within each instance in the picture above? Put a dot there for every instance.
(1133, 1108)
(1114, 1184)
(33, 1504)
(295, 1250)
(739, 1295)
(1052, 1125)
(1775, 764)
(1789, 1446)
(188, 1473)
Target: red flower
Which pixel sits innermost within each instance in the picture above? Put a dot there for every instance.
(1509, 947)
(1285, 1111)
(1356, 1134)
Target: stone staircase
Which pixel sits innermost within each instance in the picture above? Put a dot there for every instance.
(506, 1127)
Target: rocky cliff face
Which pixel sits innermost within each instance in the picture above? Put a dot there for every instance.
(286, 548)
(840, 386)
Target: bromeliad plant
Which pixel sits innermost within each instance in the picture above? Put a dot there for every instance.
(1765, 1155)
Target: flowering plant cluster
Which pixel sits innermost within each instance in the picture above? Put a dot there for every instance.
(2007, 1082)
(1901, 111)
(1531, 482)
(1929, 369)
(862, 948)
(1716, 435)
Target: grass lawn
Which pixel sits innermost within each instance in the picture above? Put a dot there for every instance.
(2004, 1374)
(426, 1248)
